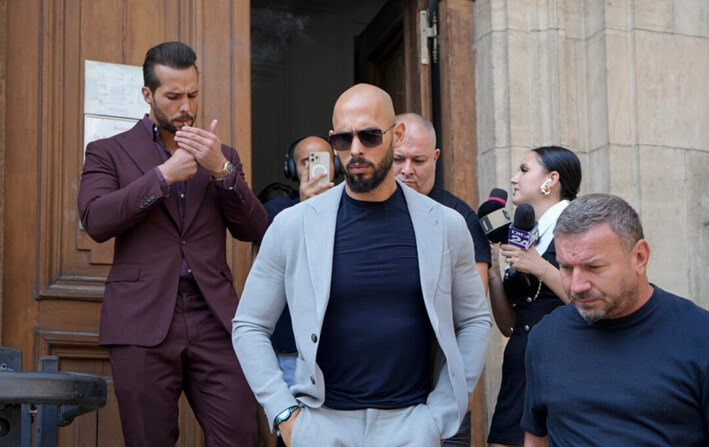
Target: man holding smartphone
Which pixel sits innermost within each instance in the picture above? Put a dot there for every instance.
(297, 164)
(390, 319)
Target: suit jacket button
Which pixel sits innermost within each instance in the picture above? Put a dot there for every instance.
(312, 380)
(314, 338)
(526, 327)
(183, 242)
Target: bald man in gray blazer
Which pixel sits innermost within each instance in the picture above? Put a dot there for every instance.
(389, 314)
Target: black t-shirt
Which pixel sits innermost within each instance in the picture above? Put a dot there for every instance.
(375, 342)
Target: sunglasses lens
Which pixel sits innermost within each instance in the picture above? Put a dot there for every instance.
(341, 141)
(370, 138)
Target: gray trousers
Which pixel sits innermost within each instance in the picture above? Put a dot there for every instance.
(405, 427)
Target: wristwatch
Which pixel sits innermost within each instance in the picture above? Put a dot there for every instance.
(226, 170)
(283, 416)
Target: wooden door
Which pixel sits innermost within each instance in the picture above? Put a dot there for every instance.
(387, 55)
(53, 273)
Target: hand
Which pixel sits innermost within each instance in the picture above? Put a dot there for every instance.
(310, 187)
(204, 146)
(179, 167)
(286, 427)
(525, 261)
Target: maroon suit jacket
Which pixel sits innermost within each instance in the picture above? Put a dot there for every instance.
(121, 196)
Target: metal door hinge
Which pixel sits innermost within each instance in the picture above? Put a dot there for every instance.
(428, 34)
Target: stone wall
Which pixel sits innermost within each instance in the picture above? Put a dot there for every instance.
(625, 84)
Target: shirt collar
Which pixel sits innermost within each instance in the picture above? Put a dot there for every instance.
(547, 223)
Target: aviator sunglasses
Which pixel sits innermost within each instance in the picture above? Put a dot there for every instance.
(368, 137)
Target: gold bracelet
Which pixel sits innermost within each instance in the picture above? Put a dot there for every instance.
(541, 279)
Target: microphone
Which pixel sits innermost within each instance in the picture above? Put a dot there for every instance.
(524, 232)
(494, 218)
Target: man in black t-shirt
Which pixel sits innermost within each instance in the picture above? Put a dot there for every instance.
(627, 363)
(415, 166)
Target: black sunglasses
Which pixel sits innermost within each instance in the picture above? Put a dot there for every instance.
(368, 137)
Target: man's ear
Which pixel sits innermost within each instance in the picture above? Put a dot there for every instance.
(436, 154)
(399, 130)
(640, 256)
(147, 96)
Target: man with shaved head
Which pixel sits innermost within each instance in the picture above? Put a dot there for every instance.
(389, 315)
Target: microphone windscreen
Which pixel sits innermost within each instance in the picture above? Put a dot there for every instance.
(524, 217)
(499, 193)
(494, 218)
(488, 207)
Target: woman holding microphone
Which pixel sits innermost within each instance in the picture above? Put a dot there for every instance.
(530, 287)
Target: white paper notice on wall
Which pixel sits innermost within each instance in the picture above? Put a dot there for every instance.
(98, 127)
(113, 90)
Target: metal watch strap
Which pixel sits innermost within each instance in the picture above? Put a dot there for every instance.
(226, 170)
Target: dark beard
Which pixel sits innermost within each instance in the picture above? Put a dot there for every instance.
(165, 122)
(360, 184)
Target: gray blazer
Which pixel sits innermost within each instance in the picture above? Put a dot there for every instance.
(294, 265)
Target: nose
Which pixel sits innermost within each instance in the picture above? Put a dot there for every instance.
(514, 179)
(185, 106)
(577, 282)
(356, 148)
(408, 168)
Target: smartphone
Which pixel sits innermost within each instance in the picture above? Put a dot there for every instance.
(319, 163)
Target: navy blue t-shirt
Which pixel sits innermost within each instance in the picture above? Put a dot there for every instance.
(638, 380)
(375, 342)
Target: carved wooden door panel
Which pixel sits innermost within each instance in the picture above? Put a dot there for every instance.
(386, 55)
(53, 272)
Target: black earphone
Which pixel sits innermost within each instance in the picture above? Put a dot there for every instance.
(289, 169)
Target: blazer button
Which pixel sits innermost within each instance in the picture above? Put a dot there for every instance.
(312, 380)
(529, 299)
(314, 338)
(183, 242)
(526, 328)
(512, 330)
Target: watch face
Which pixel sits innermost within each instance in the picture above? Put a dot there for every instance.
(228, 167)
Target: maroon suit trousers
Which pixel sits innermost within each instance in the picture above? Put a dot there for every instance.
(196, 357)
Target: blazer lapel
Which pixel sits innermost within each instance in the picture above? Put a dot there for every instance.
(427, 223)
(139, 145)
(319, 219)
(196, 189)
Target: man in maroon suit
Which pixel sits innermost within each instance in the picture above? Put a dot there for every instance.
(167, 192)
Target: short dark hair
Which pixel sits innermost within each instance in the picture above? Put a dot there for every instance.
(567, 164)
(594, 209)
(176, 55)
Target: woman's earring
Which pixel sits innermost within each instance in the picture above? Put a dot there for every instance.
(545, 189)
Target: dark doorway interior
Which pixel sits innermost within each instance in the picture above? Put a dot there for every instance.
(302, 58)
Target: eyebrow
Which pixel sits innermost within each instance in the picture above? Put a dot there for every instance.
(194, 92)
(396, 153)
